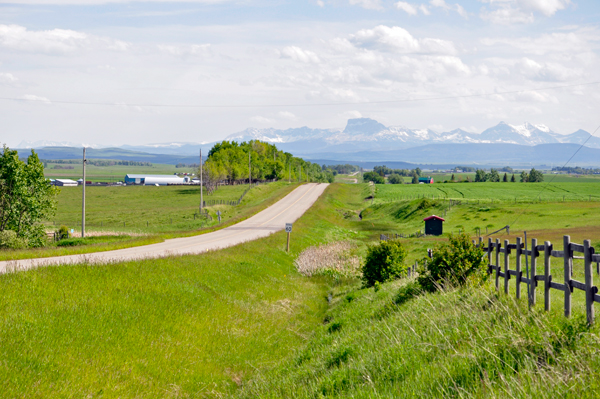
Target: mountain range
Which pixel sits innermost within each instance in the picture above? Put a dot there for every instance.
(365, 139)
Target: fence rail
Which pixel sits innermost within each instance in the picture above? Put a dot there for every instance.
(546, 252)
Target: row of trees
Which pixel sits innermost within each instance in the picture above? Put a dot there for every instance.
(340, 169)
(232, 162)
(534, 176)
(384, 171)
(26, 198)
(577, 170)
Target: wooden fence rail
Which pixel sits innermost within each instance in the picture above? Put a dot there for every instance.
(547, 252)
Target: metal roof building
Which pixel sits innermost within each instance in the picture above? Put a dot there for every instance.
(65, 183)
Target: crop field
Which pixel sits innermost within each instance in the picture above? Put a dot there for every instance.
(486, 192)
(109, 174)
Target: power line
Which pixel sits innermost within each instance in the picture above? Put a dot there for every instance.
(405, 100)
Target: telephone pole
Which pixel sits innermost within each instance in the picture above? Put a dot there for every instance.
(201, 193)
(250, 167)
(83, 198)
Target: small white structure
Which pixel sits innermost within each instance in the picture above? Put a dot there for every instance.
(163, 180)
(65, 183)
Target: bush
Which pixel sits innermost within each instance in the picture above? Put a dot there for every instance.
(9, 240)
(395, 178)
(374, 177)
(384, 262)
(454, 264)
(62, 232)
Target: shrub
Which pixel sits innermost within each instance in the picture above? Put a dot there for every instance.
(456, 263)
(9, 240)
(395, 178)
(384, 262)
(62, 232)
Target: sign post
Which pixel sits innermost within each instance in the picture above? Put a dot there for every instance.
(288, 230)
(219, 216)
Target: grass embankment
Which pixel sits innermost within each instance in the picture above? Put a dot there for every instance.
(179, 326)
(131, 204)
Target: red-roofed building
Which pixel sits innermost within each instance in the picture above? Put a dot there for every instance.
(434, 225)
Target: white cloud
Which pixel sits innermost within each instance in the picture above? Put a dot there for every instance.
(320, 3)
(406, 7)
(55, 41)
(287, 115)
(546, 7)
(34, 98)
(368, 4)
(454, 7)
(558, 43)
(397, 39)
(298, 54)
(184, 50)
(97, 2)
(262, 120)
(7, 79)
(350, 115)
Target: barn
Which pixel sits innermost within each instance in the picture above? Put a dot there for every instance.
(426, 180)
(65, 183)
(161, 180)
(434, 225)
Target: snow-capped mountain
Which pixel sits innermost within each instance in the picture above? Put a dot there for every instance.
(364, 134)
(50, 143)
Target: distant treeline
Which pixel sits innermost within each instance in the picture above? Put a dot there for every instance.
(577, 170)
(95, 162)
(340, 169)
(471, 169)
(231, 162)
(187, 165)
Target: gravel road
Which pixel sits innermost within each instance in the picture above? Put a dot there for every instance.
(270, 220)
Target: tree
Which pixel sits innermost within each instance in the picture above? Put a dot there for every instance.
(418, 171)
(505, 178)
(374, 177)
(512, 179)
(480, 175)
(524, 177)
(535, 176)
(493, 176)
(415, 178)
(452, 178)
(395, 178)
(26, 196)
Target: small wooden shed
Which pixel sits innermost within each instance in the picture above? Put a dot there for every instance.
(434, 225)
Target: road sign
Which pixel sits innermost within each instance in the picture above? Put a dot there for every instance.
(288, 227)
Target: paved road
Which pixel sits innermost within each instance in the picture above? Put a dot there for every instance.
(270, 220)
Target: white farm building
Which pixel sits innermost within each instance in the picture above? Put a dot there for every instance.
(152, 180)
(65, 183)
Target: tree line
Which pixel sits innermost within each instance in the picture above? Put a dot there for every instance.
(95, 162)
(231, 162)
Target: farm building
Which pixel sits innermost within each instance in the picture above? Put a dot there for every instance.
(434, 225)
(426, 180)
(161, 180)
(65, 183)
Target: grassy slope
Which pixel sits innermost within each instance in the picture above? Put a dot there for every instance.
(181, 326)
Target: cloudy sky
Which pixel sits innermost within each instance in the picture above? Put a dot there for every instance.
(135, 72)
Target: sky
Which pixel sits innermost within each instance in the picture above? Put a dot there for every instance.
(115, 72)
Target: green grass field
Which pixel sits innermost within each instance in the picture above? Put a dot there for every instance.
(243, 323)
(111, 174)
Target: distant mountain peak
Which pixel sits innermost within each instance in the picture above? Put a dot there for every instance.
(364, 126)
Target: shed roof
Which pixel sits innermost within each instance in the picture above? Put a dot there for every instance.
(434, 217)
(139, 176)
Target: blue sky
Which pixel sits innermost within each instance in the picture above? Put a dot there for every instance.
(103, 72)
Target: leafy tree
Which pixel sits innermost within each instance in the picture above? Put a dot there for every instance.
(512, 179)
(456, 263)
(395, 178)
(493, 176)
(374, 177)
(480, 175)
(524, 177)
(384, 262)
(415, 178)
(535, 176)
(26, 197)
(418, 171)
(505, 178)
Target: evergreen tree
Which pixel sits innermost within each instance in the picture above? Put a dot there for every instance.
(505, 178)
(512, 179)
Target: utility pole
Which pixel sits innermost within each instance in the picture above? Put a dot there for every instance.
(201, 193)
(83, 199)
(290, 175)
(250, 167)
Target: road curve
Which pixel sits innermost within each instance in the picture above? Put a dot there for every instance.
(264, 223)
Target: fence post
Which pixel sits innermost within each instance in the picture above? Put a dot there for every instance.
(506, 274)
(533, 281)
(518, 267)
(590, 290)
(497, 264)
(568, 267)
(489, 255)
(547, 275)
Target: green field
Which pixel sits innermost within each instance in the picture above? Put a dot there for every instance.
(242, 322)
(109, 174)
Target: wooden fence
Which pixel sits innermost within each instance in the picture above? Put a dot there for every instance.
(545, 252)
